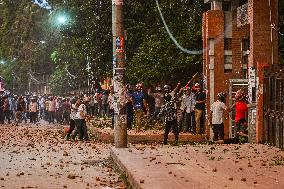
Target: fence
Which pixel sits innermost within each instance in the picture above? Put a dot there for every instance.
(273, 91)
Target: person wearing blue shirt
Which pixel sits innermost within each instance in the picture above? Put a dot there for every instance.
(139, 105)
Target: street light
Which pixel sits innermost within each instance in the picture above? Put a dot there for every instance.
(2, 62)
(62, 19)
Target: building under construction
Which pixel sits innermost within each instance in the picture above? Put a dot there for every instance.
(240, 38)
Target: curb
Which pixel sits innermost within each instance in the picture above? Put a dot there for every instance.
(123, 169)
(108, 137)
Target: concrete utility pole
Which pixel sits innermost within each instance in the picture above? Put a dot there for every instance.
(120, 126)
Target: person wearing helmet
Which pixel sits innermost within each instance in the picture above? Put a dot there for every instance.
(167, 88)
(169, 112)
(139, 105)
(200, 98)
(216, 116)
(173, 93)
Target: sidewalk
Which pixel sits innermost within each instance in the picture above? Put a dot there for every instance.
(148, 136)
(202, 166)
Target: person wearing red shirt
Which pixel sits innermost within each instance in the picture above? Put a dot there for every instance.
(241, 109)
(241, 128)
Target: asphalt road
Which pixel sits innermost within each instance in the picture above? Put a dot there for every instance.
(37, 156)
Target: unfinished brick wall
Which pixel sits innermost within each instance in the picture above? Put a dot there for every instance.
(264, 50)
(238, 34)
(213, 28)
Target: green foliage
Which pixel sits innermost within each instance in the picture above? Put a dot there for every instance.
(152, 56)
(54, 56)
(60, 81)
(21, 30)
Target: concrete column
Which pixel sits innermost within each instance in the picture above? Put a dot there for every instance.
(216, 5)
(120, 126)
(262, 48)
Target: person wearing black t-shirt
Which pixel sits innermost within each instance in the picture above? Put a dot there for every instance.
(200, 98)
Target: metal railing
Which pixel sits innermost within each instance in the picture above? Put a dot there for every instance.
(242, 15)
(273, 92)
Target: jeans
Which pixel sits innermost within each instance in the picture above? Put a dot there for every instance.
(41, 113)
(1, 117)
(92, 110)
(218, 130)
(33, 117)
(51, 116)
(7, 115)
(66, 117)
(171, 125)
(81, 128)
(190, 122)
(104, 110)
(96, 109)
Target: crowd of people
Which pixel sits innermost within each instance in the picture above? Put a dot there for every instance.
(182, 110)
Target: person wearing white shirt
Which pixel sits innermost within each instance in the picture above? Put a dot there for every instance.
(41, 103)
(82, 127)
(189, 103)
(80, 123)
(216, 116)
(72, 119)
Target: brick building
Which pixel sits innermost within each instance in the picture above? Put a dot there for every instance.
(239, 39)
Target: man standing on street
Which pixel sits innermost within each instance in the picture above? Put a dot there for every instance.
(139, 104)
(33, 108)
(169, 112)
(6, 109)
(189, 104)
(200, 98)
(216, 116)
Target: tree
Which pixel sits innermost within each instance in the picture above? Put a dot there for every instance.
(152, 56)
(21, 30)
(41, 47)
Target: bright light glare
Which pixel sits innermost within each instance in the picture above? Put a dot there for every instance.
(2, 62)
(62, 19)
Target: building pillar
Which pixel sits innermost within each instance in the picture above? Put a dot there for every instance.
(119, 63)
(216, 5)
(263, 48)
